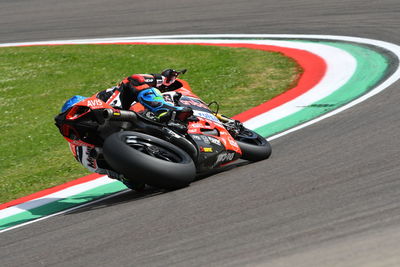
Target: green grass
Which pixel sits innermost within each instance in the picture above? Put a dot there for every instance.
(35, 82)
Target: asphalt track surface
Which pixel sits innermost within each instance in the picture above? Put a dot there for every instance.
(329, 196)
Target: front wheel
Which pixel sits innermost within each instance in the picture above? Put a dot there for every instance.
(150, 159)
(254, 147)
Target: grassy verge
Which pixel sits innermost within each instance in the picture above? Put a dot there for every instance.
(35, 81)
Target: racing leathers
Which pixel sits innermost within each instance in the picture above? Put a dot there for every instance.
(144, 89)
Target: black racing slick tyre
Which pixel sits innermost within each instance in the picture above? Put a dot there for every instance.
(154, 161)
(254, 147)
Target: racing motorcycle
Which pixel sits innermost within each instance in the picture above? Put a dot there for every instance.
(167, 155)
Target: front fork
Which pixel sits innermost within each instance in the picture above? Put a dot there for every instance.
(234, 127)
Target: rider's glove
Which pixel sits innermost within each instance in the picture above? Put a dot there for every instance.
(169, 76)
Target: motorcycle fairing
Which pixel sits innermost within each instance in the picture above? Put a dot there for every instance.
(79, 125)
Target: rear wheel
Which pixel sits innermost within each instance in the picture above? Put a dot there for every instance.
(254, 147)
(149, 159)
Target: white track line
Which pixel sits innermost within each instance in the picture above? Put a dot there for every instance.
(65, 211)
(59, 195)
(392, 79)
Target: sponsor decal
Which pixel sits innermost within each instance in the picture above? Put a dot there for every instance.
(207, 116)
(224, 157)
(91, 162)
(205, 139)
(192, 102)
(95, 103)
(196, 137)
(232, 142)
(196, 125)
(206, 149)
(214, 141)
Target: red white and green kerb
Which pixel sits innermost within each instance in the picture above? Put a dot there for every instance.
(339, 72)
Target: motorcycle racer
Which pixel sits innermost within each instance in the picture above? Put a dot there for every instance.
(138, 92)
(145, 90)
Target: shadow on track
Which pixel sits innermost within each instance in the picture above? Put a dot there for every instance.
(131, 195)
(118, 198)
